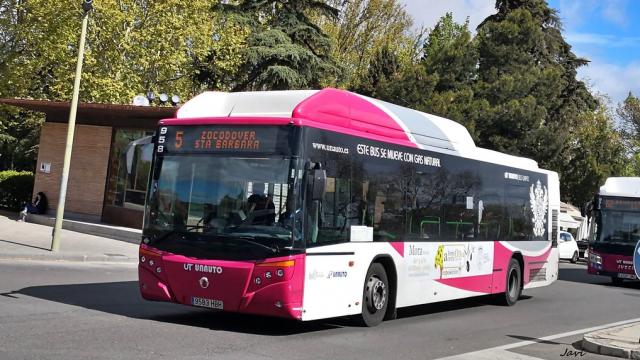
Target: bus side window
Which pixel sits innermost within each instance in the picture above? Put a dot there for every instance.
(459, 221)
(517, 219)
(332, 226)
(489, 227)
(384, 195)
(425, 199)
(374, 208)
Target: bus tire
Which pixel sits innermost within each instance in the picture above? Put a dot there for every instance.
(392, 314)
(574, 258)
(513, 287)
(375, 295)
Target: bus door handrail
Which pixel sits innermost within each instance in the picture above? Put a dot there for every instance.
(457, 223)
(430, 220)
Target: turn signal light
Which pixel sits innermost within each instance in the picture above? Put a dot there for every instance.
(286, 263)
(149, 252)
(271, 272)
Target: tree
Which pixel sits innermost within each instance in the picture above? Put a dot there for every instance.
(439, 81)
(285, 48)
(132, 47)
(527, 75)
(450, 52)
(450, 55)
(629, 114)
(363, 29)
(19, 135)
(597, 152)
(387, 80)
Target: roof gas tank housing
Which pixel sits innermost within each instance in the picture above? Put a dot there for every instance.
(621, 186)
(333, 107)
(344, 111)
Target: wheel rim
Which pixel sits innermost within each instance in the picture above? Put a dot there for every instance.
(376, 294)
(513, 284)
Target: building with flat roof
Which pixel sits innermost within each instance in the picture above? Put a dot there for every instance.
(100, 188)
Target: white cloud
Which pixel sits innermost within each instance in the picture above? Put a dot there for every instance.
(427, 12)
(574, 13)
(615, 12)
(605, 40)
(612, 80)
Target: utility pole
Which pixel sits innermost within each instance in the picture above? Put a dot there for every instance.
(87, 5)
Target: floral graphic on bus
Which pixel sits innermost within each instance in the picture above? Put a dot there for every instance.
(439, 261)
(539, 199)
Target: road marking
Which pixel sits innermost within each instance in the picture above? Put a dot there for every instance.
(489, 354)
(499, 352)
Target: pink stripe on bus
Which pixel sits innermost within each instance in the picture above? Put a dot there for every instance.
(497, 282)
(354, 132)
(348, 111)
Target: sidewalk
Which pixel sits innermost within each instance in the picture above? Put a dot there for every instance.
(621, 341)
(27, 241)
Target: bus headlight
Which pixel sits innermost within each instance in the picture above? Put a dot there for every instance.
(595, 258)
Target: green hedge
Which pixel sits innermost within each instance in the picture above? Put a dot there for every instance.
(15, 188)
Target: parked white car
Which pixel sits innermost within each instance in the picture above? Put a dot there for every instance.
(568, 247)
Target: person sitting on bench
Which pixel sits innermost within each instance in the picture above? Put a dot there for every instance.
(39, 206)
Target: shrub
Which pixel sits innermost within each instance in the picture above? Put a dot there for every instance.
(15, 188)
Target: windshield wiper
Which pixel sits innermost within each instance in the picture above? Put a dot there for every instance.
(248, 240)
(154, 239)
(178, 230)
(219, 238)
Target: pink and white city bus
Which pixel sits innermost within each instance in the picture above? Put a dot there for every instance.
(318, 204)
(615, 228)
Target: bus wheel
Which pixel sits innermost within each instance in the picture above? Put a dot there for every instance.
(574, 258)
(514, 284)
(375, 297)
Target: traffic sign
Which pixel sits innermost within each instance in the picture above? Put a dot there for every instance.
(636, 260)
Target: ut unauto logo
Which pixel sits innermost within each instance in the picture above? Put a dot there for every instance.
(337, 274)
(204, 282)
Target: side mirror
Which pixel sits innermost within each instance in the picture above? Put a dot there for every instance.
(318, 187)
(130, 150)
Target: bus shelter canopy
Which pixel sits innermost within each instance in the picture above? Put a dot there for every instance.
(567, 221)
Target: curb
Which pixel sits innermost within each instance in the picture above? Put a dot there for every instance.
(115, 233)
(592, 343)
(70, 258)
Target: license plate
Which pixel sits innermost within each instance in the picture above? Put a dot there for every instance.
(627, 276)
(208, 303)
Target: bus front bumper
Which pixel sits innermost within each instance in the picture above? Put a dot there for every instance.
(273, 287)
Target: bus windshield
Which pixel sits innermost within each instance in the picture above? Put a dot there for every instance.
(213, 207)
(618, 227)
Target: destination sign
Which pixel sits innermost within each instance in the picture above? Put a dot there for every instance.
(215, 138)
(225, 139)
(620, 204)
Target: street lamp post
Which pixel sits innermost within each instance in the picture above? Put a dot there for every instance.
(87, 5)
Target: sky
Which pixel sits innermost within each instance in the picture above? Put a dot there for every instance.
(605, 32)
